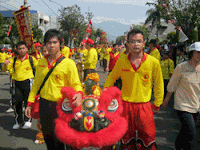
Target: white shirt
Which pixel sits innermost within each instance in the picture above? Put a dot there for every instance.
(185, 82)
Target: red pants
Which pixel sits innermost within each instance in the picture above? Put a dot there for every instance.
(140, 117)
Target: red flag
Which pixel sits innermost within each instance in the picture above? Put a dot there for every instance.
(89, 28)
(9, 30)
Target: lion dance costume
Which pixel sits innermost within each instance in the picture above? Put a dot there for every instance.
(97, 123)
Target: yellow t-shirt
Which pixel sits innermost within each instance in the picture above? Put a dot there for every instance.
(64, 74)
(65, 51)
(106, 53)
(2, 57)
(137, 85)
(23, 69)
(167, 66)
(91, 59)
(155, 53)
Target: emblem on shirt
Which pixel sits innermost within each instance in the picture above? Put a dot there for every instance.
(146, 78)
(27, 68)
(57, 76)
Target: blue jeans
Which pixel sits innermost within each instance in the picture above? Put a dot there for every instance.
(186, 139)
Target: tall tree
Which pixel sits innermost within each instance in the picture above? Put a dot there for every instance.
(155, 15)
(71, 18)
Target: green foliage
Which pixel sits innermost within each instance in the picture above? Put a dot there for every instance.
(119, 39)
(37, 33)
(173, 37)
(185, 13)
(71, 18)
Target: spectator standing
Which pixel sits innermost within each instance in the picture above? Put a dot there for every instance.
(185, 83)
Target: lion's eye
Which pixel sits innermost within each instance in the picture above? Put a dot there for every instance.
(66, 106)
(113, 106)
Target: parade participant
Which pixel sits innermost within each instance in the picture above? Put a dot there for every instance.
(82, 50)
(12, 82)
(167, 66)
(185, 83)
(3, 56)
(113, 57)
(153, 50)
(22, 70)
(106, 51)
(9, 54)
(64, 74)
(91, 60)
(45, 51)
(15, 53)
(11, 109)
(138, 71)
(65, 50)
(39, 136)
(36, 52)
(98, 51)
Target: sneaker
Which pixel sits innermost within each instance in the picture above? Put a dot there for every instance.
(16, 126)
(10, 110)
(27, 125)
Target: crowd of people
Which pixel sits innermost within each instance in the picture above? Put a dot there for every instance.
(132, 68)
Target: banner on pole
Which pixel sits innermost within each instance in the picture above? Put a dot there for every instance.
(9, 30)
(89, 28)
(23, 20)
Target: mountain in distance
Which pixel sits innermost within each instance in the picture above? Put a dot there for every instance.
(112, 28)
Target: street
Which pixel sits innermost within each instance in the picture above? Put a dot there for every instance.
(167, 124)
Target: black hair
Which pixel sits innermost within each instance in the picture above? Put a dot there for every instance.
(14, 45)
(53, 33)
(134, 32)
(190, 55)
(114, 45)
(21, 43)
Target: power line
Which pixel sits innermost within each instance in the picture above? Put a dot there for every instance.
(49, 8)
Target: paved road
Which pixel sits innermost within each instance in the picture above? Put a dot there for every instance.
(167, 124)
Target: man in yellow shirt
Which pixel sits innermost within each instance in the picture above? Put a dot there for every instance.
(106, 50)
(153, 50)
(138, 70)
(64, 74)
(22, 72)
(3, 56)
(167, 66)
(91, 60)
(82, 50)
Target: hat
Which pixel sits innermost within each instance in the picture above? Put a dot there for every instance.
(194, 47)
(38, 44)
(153, 41)
(90, 41)
(9, 50)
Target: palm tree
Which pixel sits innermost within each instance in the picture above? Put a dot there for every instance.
(154, 17)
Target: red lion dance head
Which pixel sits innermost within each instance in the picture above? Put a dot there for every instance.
(97, 123)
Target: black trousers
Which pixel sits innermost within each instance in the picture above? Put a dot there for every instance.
(186, 139)
(88, 71)
(166, 81)
(104, 64)
(22, 90)
(48, 114)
